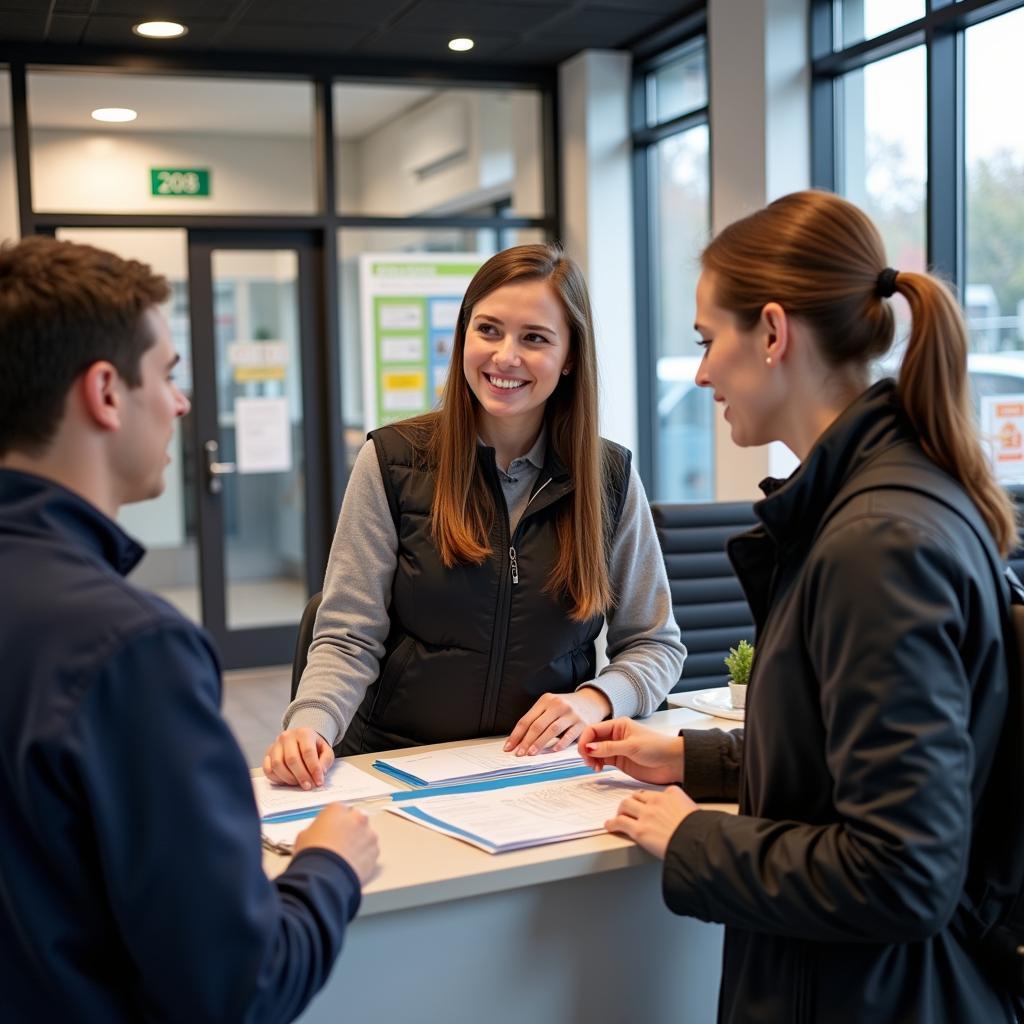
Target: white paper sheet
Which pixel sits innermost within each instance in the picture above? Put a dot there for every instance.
(280, 836)
(343, 782)
(528, 815)
(478, 761)
(263, 442)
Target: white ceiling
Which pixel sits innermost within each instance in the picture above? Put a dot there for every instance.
(220, 105)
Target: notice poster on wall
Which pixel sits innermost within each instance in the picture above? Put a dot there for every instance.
(1002, 425)
(263, 439)
(409, 304)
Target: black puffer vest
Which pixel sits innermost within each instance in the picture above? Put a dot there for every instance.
(470, 649)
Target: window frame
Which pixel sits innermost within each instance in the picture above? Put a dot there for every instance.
(940, 31)
(689, 32)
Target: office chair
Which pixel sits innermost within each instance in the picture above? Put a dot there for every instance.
(304, 639)
(707, 599)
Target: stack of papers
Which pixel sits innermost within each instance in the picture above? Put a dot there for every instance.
(534, 813)
(474, 763)
(286, 810)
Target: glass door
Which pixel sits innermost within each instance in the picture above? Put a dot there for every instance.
(259, 423)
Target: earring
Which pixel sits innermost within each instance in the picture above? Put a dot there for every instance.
(768, 360)
(565, 373)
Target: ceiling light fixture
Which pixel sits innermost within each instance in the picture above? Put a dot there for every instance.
(114, 114)
(460, 45)
(160, 29)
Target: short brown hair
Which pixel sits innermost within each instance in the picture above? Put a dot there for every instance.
(63, 307)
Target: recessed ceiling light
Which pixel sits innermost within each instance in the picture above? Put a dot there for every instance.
(114, 114)
(460, 45)
(159, 29)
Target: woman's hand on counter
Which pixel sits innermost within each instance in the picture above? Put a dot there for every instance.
(298, 757)
(556, 720)
(643, 753)
(651, 818)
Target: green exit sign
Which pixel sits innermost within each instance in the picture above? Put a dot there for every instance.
(179, 181)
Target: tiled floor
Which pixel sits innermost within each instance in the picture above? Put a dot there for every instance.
(249, 604)
(254, 701)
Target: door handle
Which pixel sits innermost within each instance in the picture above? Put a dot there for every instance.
(214, 469)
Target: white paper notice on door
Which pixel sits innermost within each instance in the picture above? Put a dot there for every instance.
(263, 442)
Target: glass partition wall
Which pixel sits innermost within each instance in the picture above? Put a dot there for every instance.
(263, 200)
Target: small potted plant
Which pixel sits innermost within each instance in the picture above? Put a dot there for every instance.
(739, 661)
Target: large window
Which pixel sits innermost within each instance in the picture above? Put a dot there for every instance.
(884, 158)
(994, 267)
(916, 121)
(671, 179)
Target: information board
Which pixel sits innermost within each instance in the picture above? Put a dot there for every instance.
(409, 305)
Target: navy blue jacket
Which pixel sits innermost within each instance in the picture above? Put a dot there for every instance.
(131, 885)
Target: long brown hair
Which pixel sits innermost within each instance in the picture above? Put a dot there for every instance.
(463, 509)
(820, 258)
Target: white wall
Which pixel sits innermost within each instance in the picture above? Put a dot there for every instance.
(456, 151)
(108, 172)
(597, 218)
(9, 227)
(760, 149)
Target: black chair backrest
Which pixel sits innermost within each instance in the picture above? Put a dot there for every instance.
(304, 639)
(707, 599)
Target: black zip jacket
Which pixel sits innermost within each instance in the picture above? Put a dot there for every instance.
(131, 878)
(873, 715)
(471, 648)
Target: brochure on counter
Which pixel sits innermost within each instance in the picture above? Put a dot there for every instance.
(342, 782)
(474, 763)
(520, 816)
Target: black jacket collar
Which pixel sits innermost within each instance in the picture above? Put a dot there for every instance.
(34, 506)
(872, 424)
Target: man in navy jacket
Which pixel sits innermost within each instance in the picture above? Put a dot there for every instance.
(131, 885)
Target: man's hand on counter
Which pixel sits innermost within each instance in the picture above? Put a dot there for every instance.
(346, 832)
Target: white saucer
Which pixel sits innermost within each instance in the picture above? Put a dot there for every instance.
(715, 701)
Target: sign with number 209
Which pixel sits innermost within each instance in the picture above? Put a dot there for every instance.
(179, 181)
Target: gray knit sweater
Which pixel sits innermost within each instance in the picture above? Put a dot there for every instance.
(643, 644)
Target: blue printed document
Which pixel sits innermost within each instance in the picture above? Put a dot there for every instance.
(516, 817)
(473, 763)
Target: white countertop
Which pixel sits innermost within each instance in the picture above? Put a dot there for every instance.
(419, 867)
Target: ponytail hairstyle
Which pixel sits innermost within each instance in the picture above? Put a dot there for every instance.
(463, 508)
(822, 260)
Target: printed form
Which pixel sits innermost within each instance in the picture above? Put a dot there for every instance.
(342, 782)
(528, 815)
(476, 762)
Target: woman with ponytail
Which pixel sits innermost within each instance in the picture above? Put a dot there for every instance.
(852, 881)
(481, 548)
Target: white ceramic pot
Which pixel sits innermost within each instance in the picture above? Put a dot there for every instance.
(738, 694)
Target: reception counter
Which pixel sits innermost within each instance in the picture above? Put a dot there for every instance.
(565, 933)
